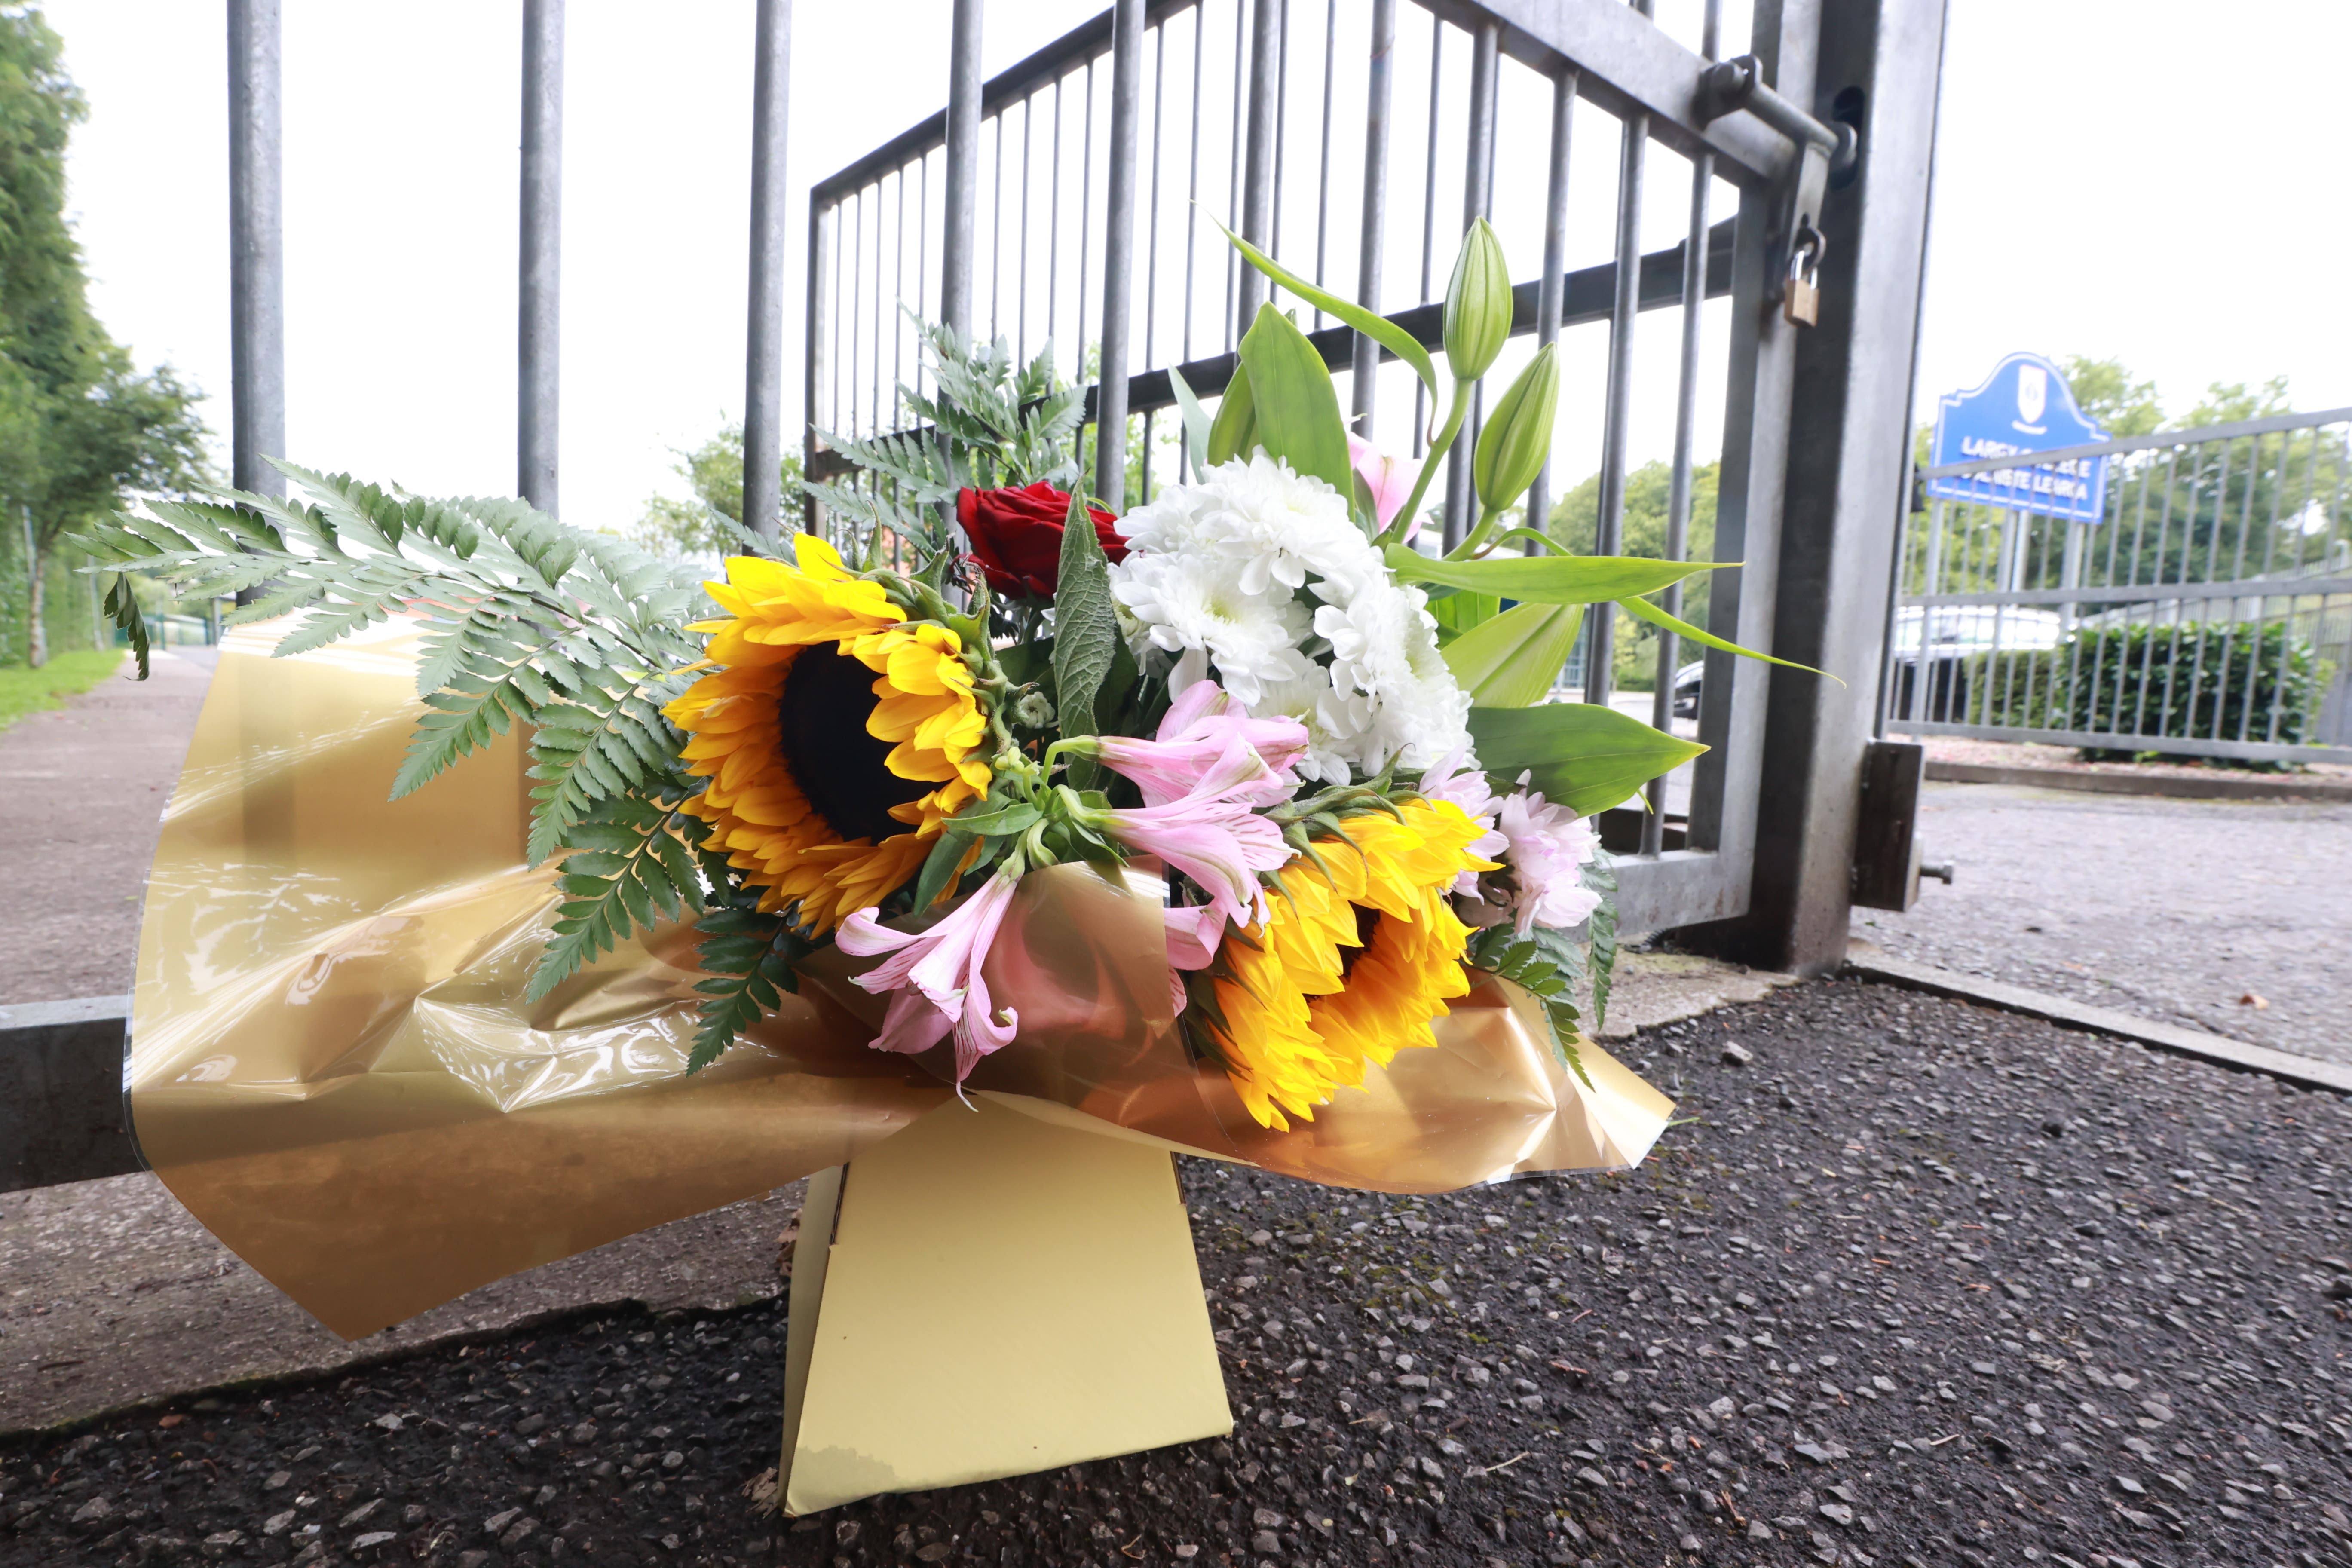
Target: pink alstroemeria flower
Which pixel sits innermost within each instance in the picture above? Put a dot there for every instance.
(1388, 478)
(936, 976)
(1211, 835)
(1194, 737)
(1195, 931)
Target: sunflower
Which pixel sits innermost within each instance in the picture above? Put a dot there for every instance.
(1352, 966)
(837, 735)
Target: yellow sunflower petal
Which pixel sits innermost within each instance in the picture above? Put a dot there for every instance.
(925, 707)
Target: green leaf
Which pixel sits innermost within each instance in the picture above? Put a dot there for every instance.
(1196, 420)
(1085, 630)
(1457, 613)
(1600, 876)
(1373, 325)
(1548, 579)
(998, 824)
(1511, 660)
(1234, 432)
(123, 606)
(1682, 629)
(1297, 408)
(1585, 757)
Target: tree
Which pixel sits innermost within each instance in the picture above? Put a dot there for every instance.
(1574, 523)
(714, 472)
(79, 425)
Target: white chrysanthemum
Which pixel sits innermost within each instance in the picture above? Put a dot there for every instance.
(1196, 604)
(1223, 575)
(1332, 722)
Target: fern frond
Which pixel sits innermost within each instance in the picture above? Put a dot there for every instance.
(747, 958)
(628, 868)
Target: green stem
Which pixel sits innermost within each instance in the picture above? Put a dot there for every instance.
(1469, 549)
(1454, 415)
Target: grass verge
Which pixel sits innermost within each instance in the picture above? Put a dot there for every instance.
(24, 690)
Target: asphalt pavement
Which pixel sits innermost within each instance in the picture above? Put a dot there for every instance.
(2230, 916)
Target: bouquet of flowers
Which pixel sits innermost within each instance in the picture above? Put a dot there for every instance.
(1337, 746)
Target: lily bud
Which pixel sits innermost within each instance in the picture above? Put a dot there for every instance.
(1233, 433)
(1518, 436)
(1478, 305)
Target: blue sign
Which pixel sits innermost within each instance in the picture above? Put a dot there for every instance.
(2024, 406)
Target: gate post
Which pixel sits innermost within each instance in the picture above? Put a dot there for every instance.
(1850, 433)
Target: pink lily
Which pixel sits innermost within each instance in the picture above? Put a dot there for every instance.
(1193, 737)
(936, 976)
(1387, 478)
(1210, 834)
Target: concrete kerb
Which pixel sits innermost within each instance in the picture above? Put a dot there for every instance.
(2175, 786)
(2304, 1072)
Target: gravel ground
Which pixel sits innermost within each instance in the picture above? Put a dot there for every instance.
(2172, 909)
(1897, 1293)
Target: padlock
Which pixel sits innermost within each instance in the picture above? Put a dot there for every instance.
(1801, 301)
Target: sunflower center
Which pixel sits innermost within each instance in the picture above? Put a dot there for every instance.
(842, 770)
(1368, 921)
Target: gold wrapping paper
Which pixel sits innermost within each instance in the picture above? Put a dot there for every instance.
(332, 1064)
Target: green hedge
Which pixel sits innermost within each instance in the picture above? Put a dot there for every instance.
(2191, 682)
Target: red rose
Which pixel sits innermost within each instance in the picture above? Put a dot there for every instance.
(1017, 535)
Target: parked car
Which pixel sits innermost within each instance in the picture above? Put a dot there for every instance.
(1687, 681)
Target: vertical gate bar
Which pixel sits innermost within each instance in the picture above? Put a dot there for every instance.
(1152, 248)
(1236, 150)
(764, 357)
(963, 165)
(538, 349)
(1428, 217)
(1678, 493)
(1085, 221)
(257, 253)
(996, 227)
(1021, 309)
(1281, 122)
(1054, 240)
(922, 247)
(816, 328)
(1118, 248)
(1192, 218)
(854, 320)
(2319, 622)
(1551, 290)
(2205, 605)
(1477, 202)
(1599, 659)
(1323, 165)
(1363, 383)
(1261, 173)
(899, 301)
(2148, 642)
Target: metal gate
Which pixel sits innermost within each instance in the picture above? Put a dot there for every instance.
(2206, 612)
(1064, 199)
(1094, 161)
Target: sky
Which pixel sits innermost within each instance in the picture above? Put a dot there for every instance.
(2096, 194)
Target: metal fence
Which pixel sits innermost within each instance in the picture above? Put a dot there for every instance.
(2206, 612)
(1071, 207)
